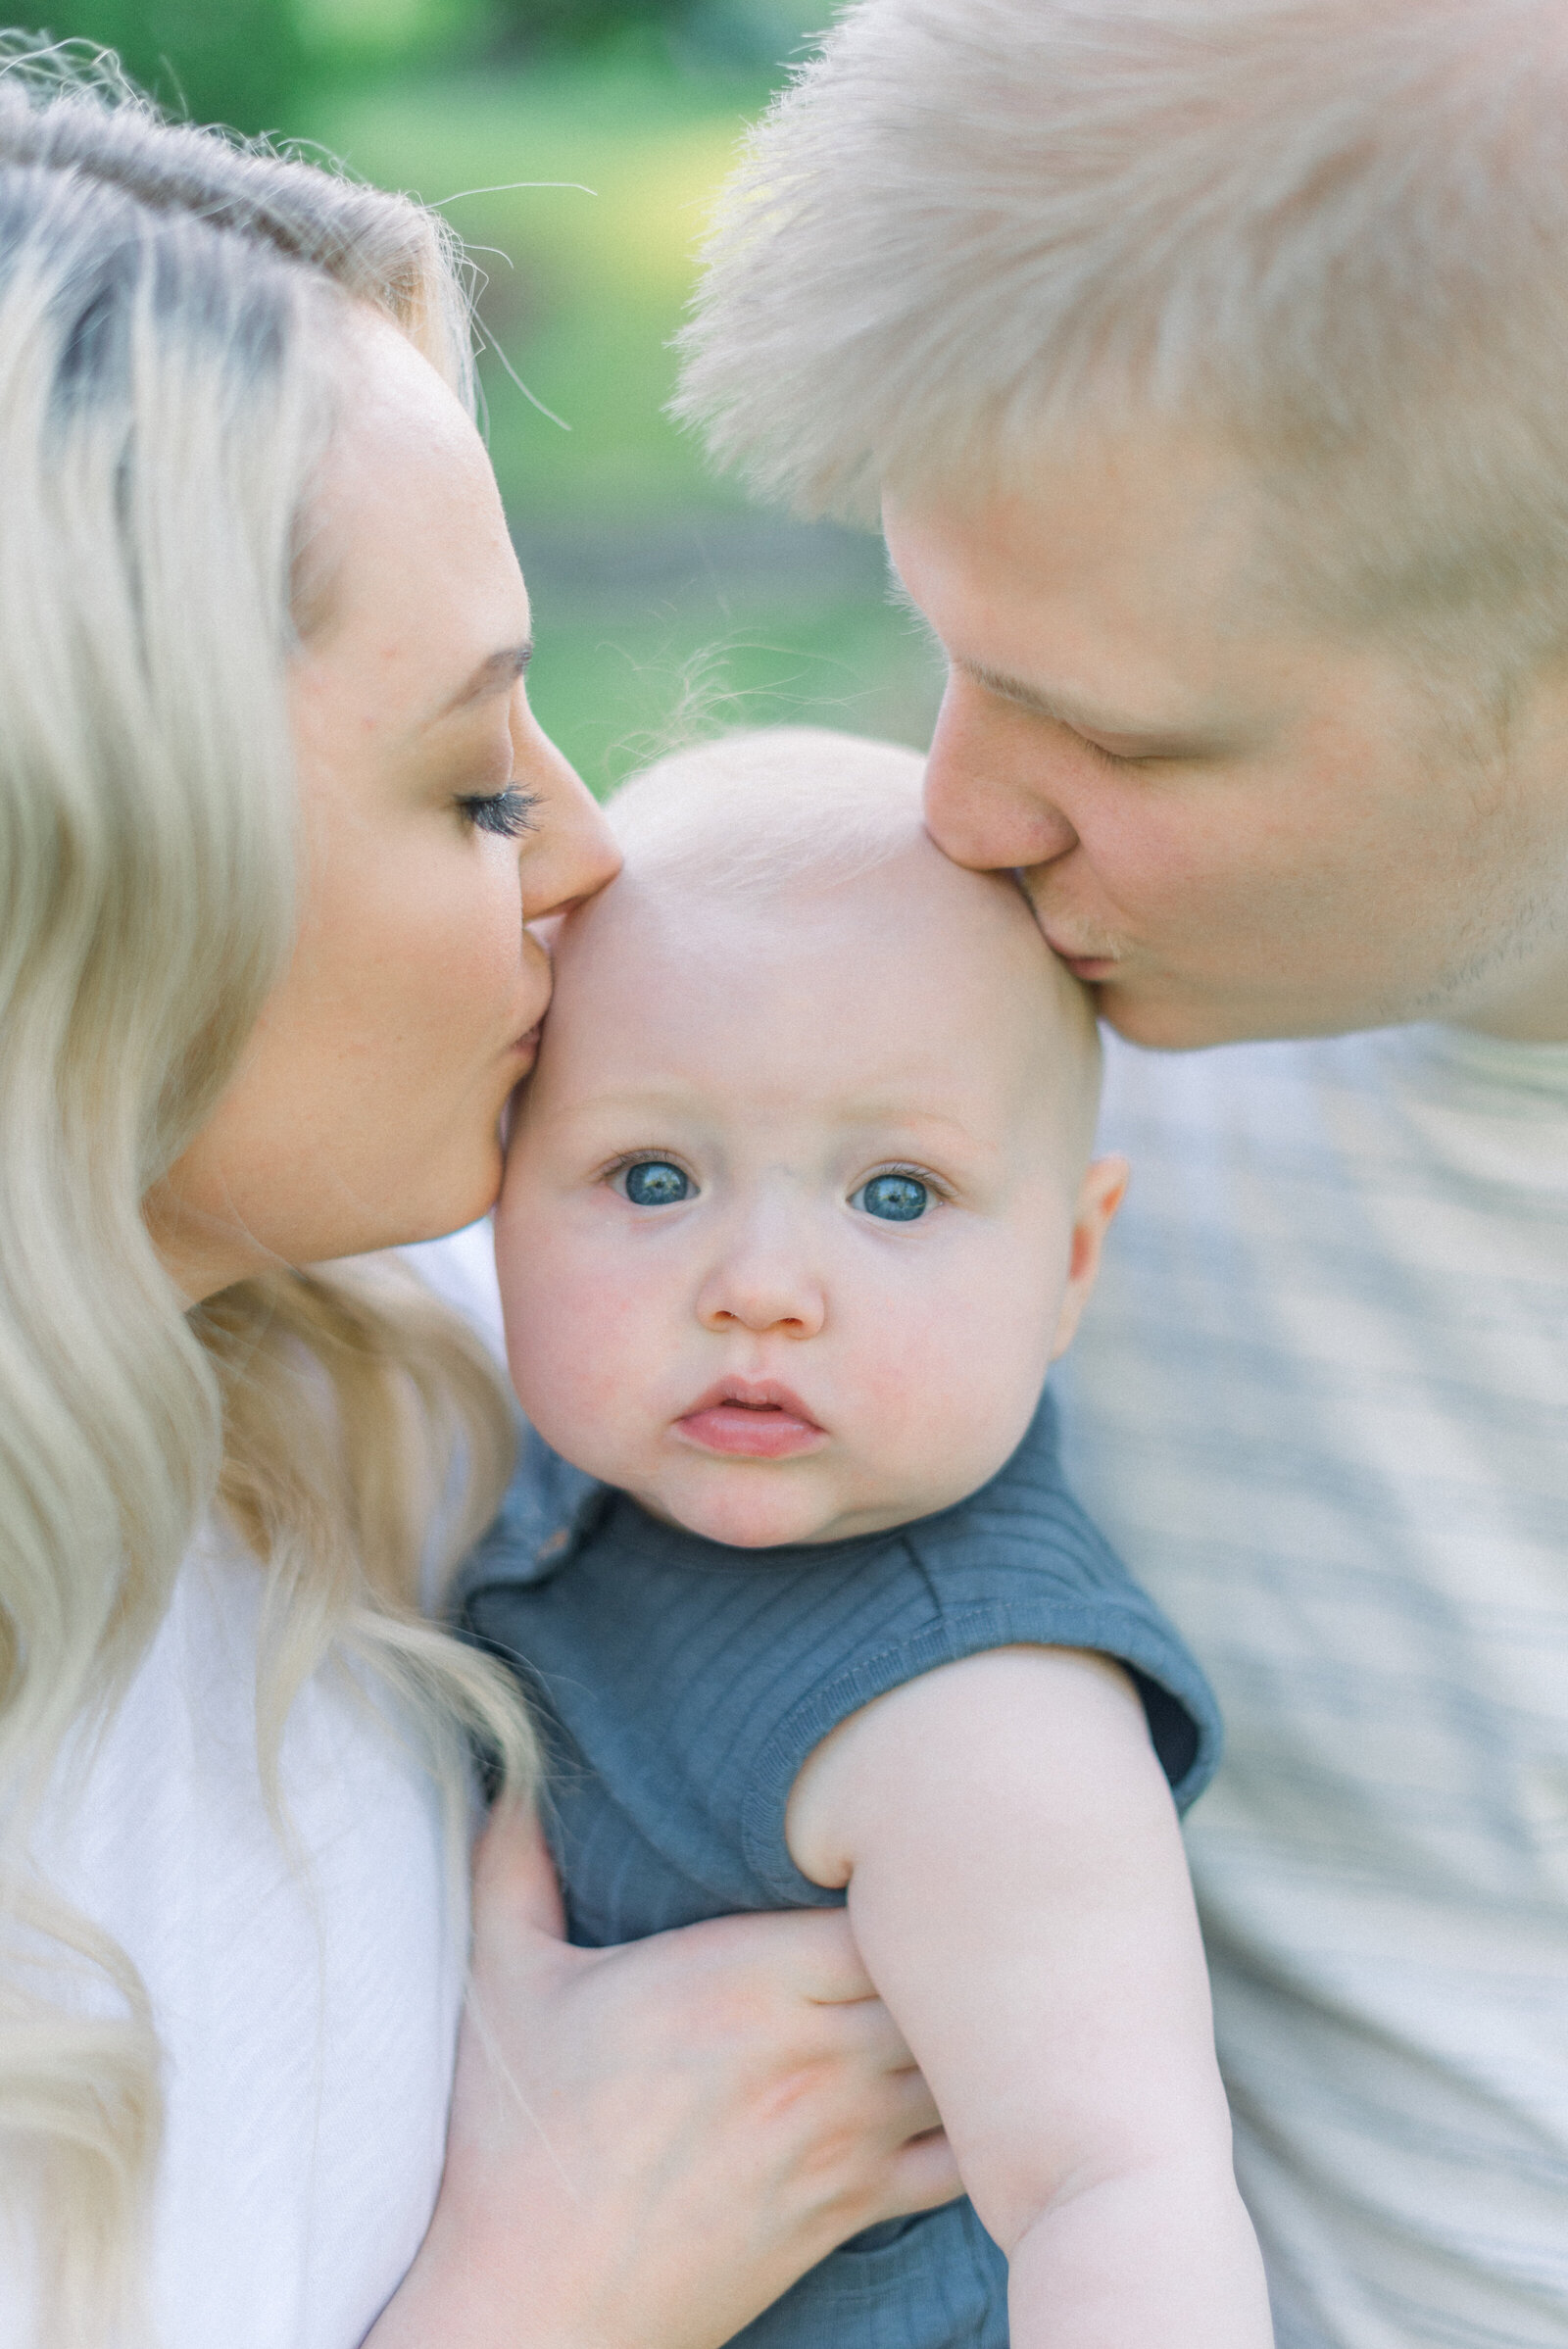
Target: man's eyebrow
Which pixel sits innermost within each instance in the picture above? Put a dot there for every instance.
(1062, 708)
(498, 672)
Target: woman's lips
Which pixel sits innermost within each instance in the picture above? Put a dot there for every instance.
(749, 1420)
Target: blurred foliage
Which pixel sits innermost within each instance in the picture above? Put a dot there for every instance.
(253, 63)
(664, 602)
(591, 184)
(575, 146)
(241, 62)
(576, 23)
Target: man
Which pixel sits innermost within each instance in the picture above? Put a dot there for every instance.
(1208, 360)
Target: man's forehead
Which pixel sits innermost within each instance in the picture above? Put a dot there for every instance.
(1089, 505)
(1088, 600)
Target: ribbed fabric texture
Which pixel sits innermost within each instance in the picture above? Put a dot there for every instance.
(684, 1683)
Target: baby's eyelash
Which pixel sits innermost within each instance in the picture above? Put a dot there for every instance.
(656, 1193)
(508, 813)
(641, 1157)
(914, 1174)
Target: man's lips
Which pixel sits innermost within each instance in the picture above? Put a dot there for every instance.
(1083, 963)
(749, 1419)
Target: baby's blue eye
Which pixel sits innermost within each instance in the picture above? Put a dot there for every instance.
(656, 1183)
(895, 1197)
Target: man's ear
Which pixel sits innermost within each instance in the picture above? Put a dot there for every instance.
(1100, 1194)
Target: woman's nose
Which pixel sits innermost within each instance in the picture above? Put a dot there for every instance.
(762, 1290)
(574, 852)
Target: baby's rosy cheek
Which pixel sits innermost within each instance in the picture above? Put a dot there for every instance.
(616, 1346)
(898, 1393)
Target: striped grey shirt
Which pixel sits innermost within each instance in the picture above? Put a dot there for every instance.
(1321, 1404)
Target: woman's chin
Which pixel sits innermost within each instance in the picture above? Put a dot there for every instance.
(468, 1192)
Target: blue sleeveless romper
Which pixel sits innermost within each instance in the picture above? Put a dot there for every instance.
(682, 1684)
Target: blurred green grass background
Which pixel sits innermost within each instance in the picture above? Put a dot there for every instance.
(665, 604)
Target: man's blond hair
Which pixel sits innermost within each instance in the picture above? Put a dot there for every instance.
(1329, 232)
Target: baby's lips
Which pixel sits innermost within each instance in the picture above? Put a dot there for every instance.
(738, 1431)
(753, 1394)
(751, 1419)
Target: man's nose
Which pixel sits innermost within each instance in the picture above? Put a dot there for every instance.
(994, 782)
(763, 1284)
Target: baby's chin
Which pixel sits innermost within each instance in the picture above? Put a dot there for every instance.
(763, 1506)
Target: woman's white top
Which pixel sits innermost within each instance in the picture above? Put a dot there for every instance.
(305, 1998)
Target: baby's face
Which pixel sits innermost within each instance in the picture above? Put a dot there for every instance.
(791, 1198)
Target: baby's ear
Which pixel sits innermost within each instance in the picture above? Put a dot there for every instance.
(1100, 1194)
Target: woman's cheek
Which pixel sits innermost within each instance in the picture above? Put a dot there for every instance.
(461, 940)
(485, 974)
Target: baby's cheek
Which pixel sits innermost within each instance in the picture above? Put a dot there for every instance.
(578, 1347)
(910, 1393)
(537, 1298)
(950, 1399)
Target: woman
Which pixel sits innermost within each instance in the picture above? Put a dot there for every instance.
(272, 815)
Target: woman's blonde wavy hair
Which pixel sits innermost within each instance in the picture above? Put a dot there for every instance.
(170, 301)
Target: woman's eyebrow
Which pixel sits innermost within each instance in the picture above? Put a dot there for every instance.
(498, 672)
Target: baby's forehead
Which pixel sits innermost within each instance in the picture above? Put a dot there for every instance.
(784, 877)
(910, 979)
(908, 908)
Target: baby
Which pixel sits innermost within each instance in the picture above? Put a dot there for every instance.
(797, 1209)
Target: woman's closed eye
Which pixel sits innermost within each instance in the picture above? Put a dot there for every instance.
(653, 1183)
(508, 813)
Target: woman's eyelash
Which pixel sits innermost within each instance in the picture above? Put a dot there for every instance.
(508, 813)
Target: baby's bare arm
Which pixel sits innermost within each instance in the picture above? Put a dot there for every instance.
(1018, 1891)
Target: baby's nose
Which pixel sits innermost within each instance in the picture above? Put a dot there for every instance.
(762, 1292)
